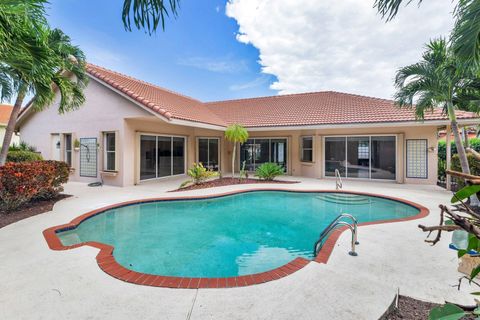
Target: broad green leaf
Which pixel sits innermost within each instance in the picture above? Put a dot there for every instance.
(474, 272)
(473, 243)
(475, 293)
(465, 193)
(446, 312)
(461, 253)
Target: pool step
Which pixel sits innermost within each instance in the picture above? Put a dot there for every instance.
(350, 199)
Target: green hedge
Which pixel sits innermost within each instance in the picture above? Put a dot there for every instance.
(23, 156)
(442, 147)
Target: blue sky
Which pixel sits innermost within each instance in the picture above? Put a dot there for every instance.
(219, 49)
(197, 55)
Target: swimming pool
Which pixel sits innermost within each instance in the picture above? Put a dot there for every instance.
(221, 237)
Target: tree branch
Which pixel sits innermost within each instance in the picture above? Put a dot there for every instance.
(474, 153)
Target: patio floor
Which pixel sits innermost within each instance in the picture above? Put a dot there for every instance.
(39, 283)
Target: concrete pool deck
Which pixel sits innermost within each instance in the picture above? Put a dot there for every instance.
(39, 283)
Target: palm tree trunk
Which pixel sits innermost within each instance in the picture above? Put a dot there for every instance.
(465, 137)
(11, 124)
(462, 155)
(233, 158)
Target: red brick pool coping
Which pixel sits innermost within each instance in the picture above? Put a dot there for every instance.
(106, 261)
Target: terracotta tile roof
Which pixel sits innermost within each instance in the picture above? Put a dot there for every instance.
(317, 108)
(165, 102)
(5, 111)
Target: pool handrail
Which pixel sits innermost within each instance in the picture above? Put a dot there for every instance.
(338, 180)
(353, 226)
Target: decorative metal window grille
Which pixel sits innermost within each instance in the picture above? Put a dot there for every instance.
(88, 157)
(417, 158)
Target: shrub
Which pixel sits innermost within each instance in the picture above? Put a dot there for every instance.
(23, 156)
(473, 163)
(198, 173)
(22, 146)
(24, 181)
(53, 175)
(268, 171)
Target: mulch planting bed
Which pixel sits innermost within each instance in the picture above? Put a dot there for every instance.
(413, 309)
(29, 210)
(228, 182)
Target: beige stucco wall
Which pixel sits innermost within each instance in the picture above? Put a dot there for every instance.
(134, 127)
(315, 169)
(105, 110)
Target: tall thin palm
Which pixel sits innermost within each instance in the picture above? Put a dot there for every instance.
(465, 37)
(62, 70)
(235, 133)
(439, 80)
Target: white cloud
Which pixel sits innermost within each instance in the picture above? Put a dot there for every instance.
(313, 45)
(225, 65)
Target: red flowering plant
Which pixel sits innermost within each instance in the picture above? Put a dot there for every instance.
(22, 182)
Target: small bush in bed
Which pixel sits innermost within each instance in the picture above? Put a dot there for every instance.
(23, 156)
(269, 171)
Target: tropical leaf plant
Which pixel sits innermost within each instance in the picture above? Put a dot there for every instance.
(269, 171)
(438, 81)
(49, 66)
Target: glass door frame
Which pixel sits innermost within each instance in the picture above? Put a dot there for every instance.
(219, 156)
(156, 135)
(346, 136)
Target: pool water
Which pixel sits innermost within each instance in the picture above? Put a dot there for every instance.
(226, 236)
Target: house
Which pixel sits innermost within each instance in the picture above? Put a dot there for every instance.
(5, 112)
(129, 131)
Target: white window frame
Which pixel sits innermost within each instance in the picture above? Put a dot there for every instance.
(302, 148)
(106, 151)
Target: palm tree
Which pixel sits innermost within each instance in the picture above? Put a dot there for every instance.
(235, 133)
(465, 37)
(147, 14)
(61, 70)
(439, 80)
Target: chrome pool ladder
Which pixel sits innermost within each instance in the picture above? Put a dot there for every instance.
(337, 222)
(338, 180)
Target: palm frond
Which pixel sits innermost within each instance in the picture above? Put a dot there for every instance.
(465, 36)
(388, 9)
(147, 14)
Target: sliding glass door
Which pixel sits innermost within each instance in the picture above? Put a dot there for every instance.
(367, 157)
(208, 153)
(261, 150)
(161, 156)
